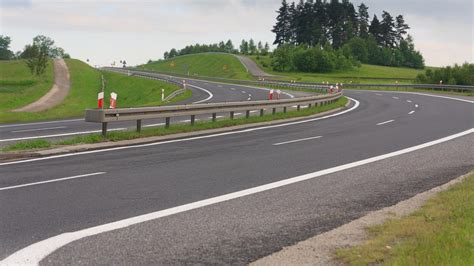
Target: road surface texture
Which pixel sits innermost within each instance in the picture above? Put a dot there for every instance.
(58, 92)
(252, 67)
(203, 92)
(101, 187)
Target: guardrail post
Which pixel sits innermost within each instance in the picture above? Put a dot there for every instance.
(167, 122)
(262, 111)
(284, 109)
(214, 117)
(193, 118)
(104, 129)
(139, 125)
(232, 115)
(298, 107)
(274, 111)
(309, 106)
(247, 114)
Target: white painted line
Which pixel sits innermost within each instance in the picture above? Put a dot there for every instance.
(356, 105)
(34, 253)
(51, 181)
(232, 89)
(378, 94)
(416, 105)
(238, 114)
(297, 140)
(396, 98)
(60, 135)
(154, 125)
(250, 95)
(217, 116)
(189, 120)
(220, 86)
(248, 99)
(37, 129)
(409, 101)
(42, 123)
(386, 122)
(412, 112)
(244, 92)
(253, 111)
(206, 91)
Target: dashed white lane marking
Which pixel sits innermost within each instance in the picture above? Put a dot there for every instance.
(220, 86)
(36, 252)
(238, 114)
(378, 94)
(189, 120)
(253, 111)
(42, 123)
(412, 112)
(217, 116)
(244, 92)
(60, 135)
(37, 129)
(416, 105)
(396, 98)
(50, 181)
(386, 122)
(296, 140)
(248, 99)
(409, 101)
(232, 89)
(250, 95)
(154, 125)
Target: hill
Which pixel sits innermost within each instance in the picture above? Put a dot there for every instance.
(219, 65)
(85, 84)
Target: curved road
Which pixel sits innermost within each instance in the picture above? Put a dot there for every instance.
(235, 197)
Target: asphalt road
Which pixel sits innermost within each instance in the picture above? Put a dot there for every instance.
(203, 92)
(139, 180)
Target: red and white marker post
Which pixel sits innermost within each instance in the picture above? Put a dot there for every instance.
(278, 94)
(113, 100)
(270, 94)
(100, 100)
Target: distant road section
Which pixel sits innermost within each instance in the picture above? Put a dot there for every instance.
(252, 67)
(58, 92)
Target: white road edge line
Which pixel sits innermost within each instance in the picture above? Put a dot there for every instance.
(386, 122)
(42, 123)
(206, 91)
(396, 98)
(412, 112)
(296, 140)
(60, 135)
(378, 94)
(37, 129)
(51, 181)
(356, 105)
(34, 253)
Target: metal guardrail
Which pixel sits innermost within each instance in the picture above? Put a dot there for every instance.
(106, 116)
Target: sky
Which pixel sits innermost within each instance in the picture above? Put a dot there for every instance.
(136, 31)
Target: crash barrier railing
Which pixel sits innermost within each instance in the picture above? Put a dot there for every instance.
(317, 86)
(106, 116)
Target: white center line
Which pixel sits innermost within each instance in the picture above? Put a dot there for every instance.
(386, 122)
(378, 94)
(297, 140)
(37, 129)
(232, 89)
(51, 181)
(412, 112)
(244, 92)
(396, 98)
(408, 101)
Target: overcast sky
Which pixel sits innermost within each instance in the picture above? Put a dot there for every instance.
(110, 30)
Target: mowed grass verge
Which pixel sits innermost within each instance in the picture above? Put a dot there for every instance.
(218, 65)
(441, 233)
(364, 74)
(86, 83)
(18, 87)
(173, 129)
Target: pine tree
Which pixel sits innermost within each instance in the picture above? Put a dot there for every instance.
(252, 47)
(244, 47)
(259, 48)
(387, 30)
(401, 28)
(229, 47)
(363, 16)
(282, 26)
(375, 30)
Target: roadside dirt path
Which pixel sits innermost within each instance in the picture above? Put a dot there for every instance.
(252, 67)
(58, 92)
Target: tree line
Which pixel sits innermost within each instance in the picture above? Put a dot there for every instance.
(246, 48)
(314, 24)
(456, 75)
(36, 54)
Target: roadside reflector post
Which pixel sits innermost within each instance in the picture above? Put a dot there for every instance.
(167, 122)
(193, 119)
(298, 107)
(214, 117)
(270, 94)
(139, 126)
(262, 111)
(284, 109)
(247, 114)
(184, 84)
(113, 100)
(274, 111)
(162, 94)
(100, 100)
(232, 115)
(104, 129)
(278, 94)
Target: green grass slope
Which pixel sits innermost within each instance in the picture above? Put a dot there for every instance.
(205, 64)
(86, 83)
(364, 74)
(18, 87)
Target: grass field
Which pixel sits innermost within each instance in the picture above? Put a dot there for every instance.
(364, 74)
(204, 64)
(18, 87)
(85, 84)
(441, 233)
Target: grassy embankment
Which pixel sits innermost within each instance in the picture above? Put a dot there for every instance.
(173, 129)
(85, 84)
(202, 65)
(441, 233)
